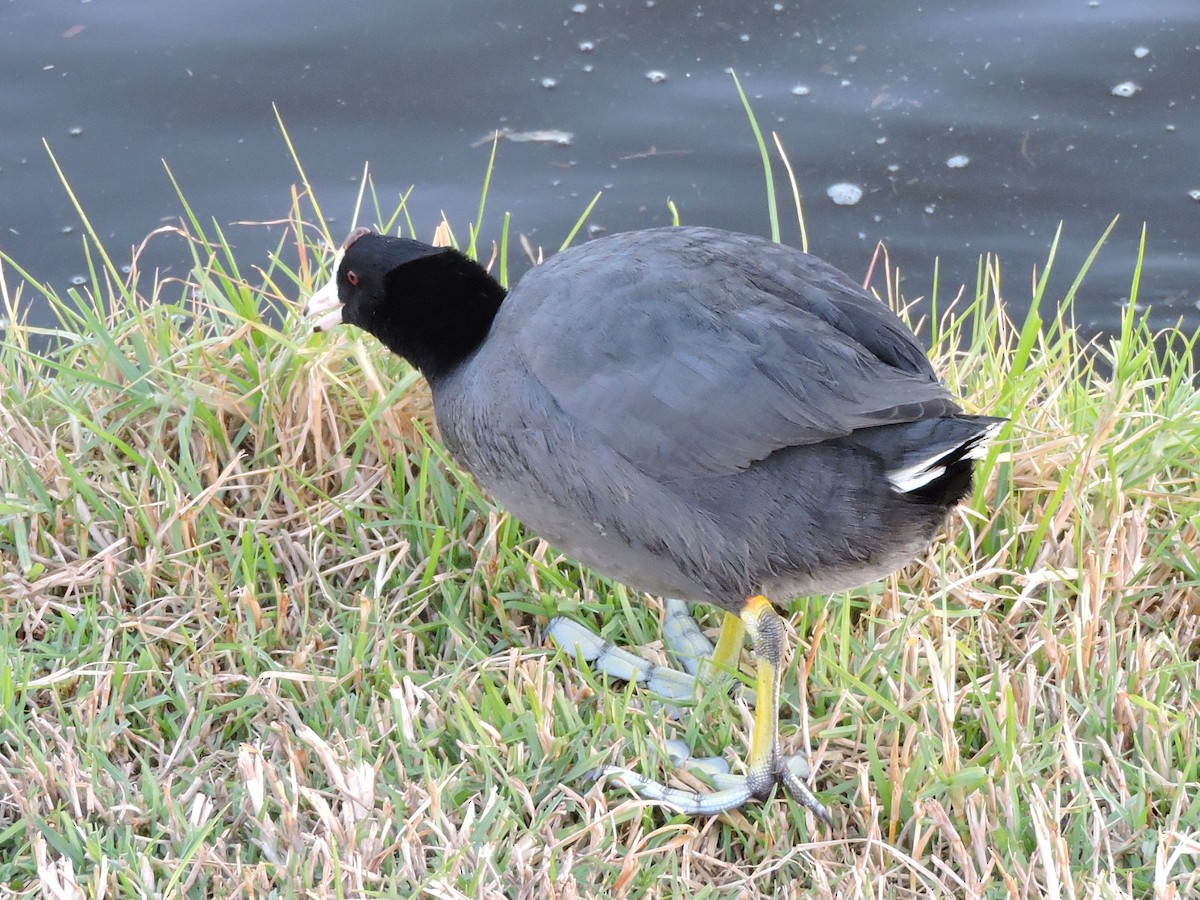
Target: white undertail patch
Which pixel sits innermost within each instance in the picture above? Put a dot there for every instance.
(925, 471)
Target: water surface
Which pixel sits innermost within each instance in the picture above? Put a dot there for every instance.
(971, 128)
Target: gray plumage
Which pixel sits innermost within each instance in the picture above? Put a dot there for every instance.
(707, 416)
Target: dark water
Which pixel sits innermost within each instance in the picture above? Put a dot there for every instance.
(878, 94)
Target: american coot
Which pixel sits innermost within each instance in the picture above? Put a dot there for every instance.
(699, 414)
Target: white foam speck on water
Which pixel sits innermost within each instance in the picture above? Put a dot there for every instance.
(656, 76)
(544, 135)
(844, 193)
(547, 135)
(958, 161)
(802, 90)
(1126, 89)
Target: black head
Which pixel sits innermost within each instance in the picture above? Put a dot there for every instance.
(431, 305)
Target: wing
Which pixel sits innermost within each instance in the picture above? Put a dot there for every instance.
(704, 351)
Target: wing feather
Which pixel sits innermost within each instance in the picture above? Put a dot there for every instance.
(706, 351)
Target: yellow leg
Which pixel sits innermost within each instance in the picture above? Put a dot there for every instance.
(766, 632)
(724, 659)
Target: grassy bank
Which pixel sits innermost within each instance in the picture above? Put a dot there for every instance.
(258, 635)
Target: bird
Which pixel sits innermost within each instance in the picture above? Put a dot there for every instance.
(699, 414)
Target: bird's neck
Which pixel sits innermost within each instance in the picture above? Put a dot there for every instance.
(450, 303)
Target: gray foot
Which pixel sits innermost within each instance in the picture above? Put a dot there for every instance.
(731, 791)
(691, 648)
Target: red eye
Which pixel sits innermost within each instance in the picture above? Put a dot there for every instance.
(352, 277)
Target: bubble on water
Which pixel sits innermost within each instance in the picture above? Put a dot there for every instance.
(881, 140)
(656, 76)
(1141, 52)
(587, 67)
(75, 130)
(66, 229)
(579, 9)
(744, 38)
(802, 90)
(844, 193)
(587, 46)
(549, 83)
(958, 161)
(930, 209)
(1126, 89)
(1195, 194)
(78, 280)
(893, 167)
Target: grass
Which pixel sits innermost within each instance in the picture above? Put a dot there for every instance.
(259, 636)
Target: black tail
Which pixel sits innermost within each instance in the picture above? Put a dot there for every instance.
(936, 464)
